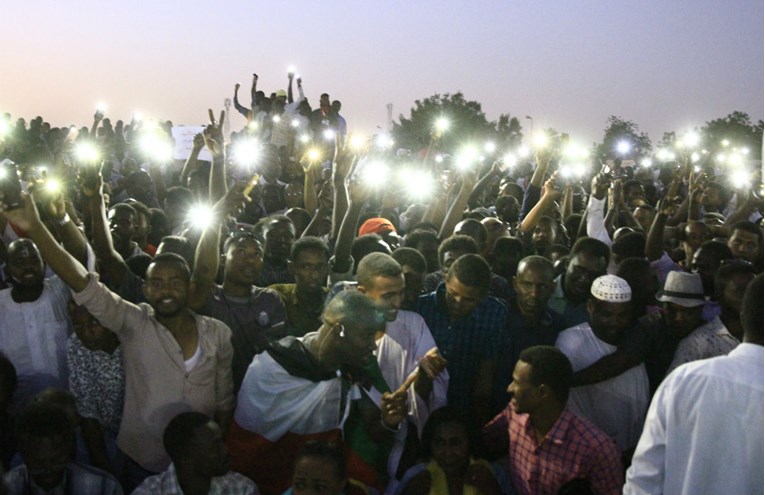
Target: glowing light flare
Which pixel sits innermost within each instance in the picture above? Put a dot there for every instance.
(200, 216)
(523, 152)
(418, 184)
(52, 186)
(375, 174)
(575, 151)
(291, 69)
(304, 138)
(276, 119)
(745, 151)
(541, 140)
(490, 147)
(5, 127)
(101, 107)
(439, 158)
(623, 147)
(328, 134)
(735, 160)
(157, 147)
(467, 157)
(246, 152)
(384, 141)
(510, 160)
(579, 169)
(646, 162)
(725, 143)
(442, 124)
(721, 157)
(87, 152)
(357, 142)
(740, 179)
(665, 155)
(313, 154)
(689, 140)
(696, 169)
(295, 123)
(695, 157)
(137, 116)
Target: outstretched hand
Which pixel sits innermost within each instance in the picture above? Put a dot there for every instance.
(26, 217)
(213, 134)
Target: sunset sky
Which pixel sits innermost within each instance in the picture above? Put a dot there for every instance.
(667, 65)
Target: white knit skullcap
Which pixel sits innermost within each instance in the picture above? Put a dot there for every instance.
(610, 288)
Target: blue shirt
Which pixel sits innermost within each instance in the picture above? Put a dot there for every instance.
(518, 336)
(464, 342)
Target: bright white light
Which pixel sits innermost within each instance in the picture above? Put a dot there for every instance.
(575, 151)
(490, 147)
(375, 174)
(735, 160)
(291, 69)
(137, 116)
(313, 154)
(295, 123)
(696, 169)
(384, 141)
(357, 141)
(439, 158)
(157, 147)
(541, 140)
(510, 160)
(721, 157)
(418, 184)
(328, 134)
(101, 107)
(565, 171)
(467, 157)
(253, 126)
(442, 124)
(276, 119)
(579, 169)
(623, 147)
(695, 157)
(646, 162)
(53, 186)
(745, 151)
(665, 155)
(42, 169)
(523, 151)
(87, 152)
(740, 179)
(725, 143)
(304, 138)
(690, 140)
(5, 127)
(200, 216)
(246, 152)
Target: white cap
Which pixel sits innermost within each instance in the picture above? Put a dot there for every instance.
(610, 288)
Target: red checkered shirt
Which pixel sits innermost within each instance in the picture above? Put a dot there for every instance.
(573, 448)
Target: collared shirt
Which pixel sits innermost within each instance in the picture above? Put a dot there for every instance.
(703, 432)
(97, 381)
(571, 314)
(166, 483)
(618, 405)
(33, 336)
(254, 321)
(158, 385)
(499, 288)
(710, 340)
(518, 336)
(301, 319)
(465, 342)
(78, 479)
(573, 448)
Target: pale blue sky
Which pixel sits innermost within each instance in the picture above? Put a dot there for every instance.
(666, 65)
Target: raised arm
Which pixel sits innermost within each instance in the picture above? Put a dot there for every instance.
(347, 232)
(213, 137)
(549, 195)
(192, 162)
(342, 166)
(482, 184)
(654, 243)
(72, 272)
(458, 205)
(238, 106)
(110, 261)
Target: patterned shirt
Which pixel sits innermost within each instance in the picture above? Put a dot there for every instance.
(97, 381)
(573, 448)
(464, 342)
(166, 483)
(709, 340)
(78, 479)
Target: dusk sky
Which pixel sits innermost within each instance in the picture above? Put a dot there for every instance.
(666, 65)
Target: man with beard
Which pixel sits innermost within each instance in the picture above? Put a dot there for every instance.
(279, 234)
(589, 260)
(174, 359)
(34, 322)
(304, 300)
(529, 322)
(122, 224)
(300, 389)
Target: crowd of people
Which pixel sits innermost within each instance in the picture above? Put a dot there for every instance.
(271, 321)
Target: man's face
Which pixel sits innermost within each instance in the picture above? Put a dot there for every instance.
(695, 235)
(316, 476)
(644, 217)
(462, 299)
(46, 459)
(310, 270)
(731, 297)
(745, 245)
(25, 265)
(279, 239)
(533, 288)
(450, 447)
(705, 263)
(122, 223)
(582, 271)
(610, 320)
(543, 237)
(243, 261)
(413, 281)
(212, 456)
(710, 198)
(388, 293)
(357, 345)
(293, 195)
(526, 396)
(90, 332)
(680, 320)
(428, 248)
(166, 288)
(449, 258)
